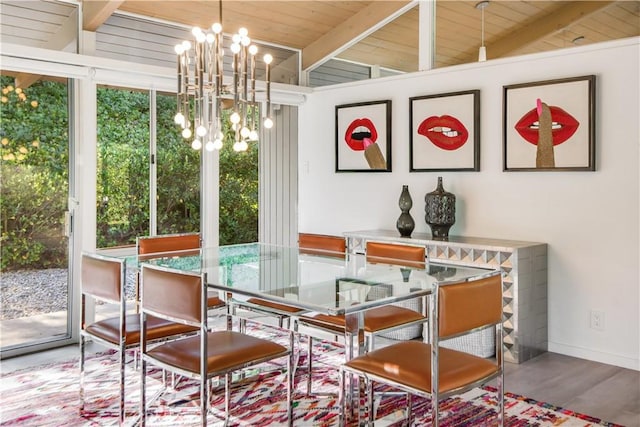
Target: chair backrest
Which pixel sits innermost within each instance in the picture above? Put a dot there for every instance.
(168, 243)
(322, 244)
(103, 277)
(465, 306)
(175, 295)
(391, 253)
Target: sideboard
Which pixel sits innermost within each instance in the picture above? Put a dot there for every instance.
(524, 265)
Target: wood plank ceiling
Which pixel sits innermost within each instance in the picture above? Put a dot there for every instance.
(354, 30)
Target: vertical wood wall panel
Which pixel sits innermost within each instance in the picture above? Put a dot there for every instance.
(278, 180)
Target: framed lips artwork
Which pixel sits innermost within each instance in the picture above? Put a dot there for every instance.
(549, 125)
(445, 132)
(363, 137)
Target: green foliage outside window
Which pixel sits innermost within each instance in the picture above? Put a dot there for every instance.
(35, 159)
(33, 169)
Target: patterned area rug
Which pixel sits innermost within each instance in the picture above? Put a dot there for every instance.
(49, 396)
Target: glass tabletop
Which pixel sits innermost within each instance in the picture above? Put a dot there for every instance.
(333, 283)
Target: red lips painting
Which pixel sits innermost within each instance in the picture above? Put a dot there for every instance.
(563, 125)
(549, 125)
(446, 132)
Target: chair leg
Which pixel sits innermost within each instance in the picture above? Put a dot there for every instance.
(143, 391)
(409, 409)
(370, 400)
(82, 353)
(204, 399)
(227, 397)
(342, 420)
(290, 372)
(309, 367)
(122, 368)
(500, 384)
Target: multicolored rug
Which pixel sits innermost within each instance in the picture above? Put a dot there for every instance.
(48, 396)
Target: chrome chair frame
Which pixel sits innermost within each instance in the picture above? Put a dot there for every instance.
(435, 394)
(204, 375)
(380, 254)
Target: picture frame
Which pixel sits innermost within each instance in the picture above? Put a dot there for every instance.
(550, 125)
(363, 137)
(444, 132)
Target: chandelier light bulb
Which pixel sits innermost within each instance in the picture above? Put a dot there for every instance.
(200, 100)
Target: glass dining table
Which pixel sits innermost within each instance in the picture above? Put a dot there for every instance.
(320, 281)
(323, 282)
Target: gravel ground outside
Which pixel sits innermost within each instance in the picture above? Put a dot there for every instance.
(31, 292)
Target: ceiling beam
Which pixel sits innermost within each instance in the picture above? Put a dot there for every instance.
(565, 16)
(354, 29)
(96, 12)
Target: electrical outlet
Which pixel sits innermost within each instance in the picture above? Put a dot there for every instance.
(596, 320)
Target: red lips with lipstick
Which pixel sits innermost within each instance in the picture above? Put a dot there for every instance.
(563, 126)
(445, 132)
(358, 131)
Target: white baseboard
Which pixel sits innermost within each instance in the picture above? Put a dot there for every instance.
(596, 356)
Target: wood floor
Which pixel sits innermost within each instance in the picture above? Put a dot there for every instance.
(603, 391)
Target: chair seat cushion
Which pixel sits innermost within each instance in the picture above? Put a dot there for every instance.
(274, 305)
(376, 319)
(109, 329)
(409, 363)
(228, 350)
(214, 301)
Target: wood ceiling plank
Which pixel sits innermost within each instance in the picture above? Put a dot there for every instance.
(350, 30)
(570, 13)
(95, 13)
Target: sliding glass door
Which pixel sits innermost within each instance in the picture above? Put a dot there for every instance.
(34, 132)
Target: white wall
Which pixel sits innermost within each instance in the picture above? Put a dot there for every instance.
(589, 219)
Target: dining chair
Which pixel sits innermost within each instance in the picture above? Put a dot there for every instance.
(181, 297)
(183, 242)
(379, 320)
(429, 370)
(103, 279)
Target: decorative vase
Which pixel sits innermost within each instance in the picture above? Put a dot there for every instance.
(440, 208)
(405, 223)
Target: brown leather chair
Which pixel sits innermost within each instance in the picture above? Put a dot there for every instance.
(430, 370)
(103, 279)
(183, 243)
(181, 297)
(377, 320)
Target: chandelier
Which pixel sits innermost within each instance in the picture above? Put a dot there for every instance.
(202, 93)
